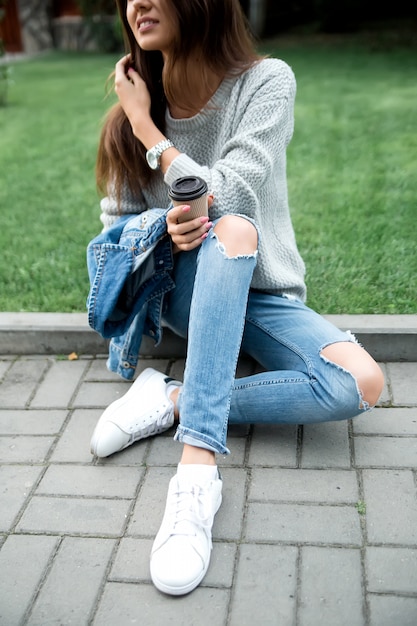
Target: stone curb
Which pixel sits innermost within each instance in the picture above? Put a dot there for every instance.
(386, 337)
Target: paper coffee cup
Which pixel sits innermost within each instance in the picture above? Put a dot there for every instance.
(193, 191)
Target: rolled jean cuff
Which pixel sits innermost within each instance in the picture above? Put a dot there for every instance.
(193, 438)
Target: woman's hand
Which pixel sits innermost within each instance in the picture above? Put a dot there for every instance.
(133, 94)
(187, 235)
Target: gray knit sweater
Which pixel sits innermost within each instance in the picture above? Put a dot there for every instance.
(238, 145)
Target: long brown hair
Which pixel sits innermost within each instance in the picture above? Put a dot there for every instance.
(216, 31)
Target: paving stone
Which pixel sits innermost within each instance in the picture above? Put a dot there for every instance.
(74, 444)
(400, 375)
(267, 501)
(150, 504)
(85, 516)
(164, 449)
(23, 561)
(385, 397)
(97, 480)
(16, 482)
(126, 604)
(391, 506)
(289, 523)
(160, 365)
(265, 586)
(222, 563)
(98, 372)
(391, 570)
(77, 573)
(387, 422)
(133, 456)
(132, 563)
(177, 369)
(20, 382)
(385, 451)
(31, 422)
(310, 486)
(24, 449)
(392, 611)
(273, 446)
(325, 597)
(229, 519)
(99, 394)
(237, 447)
(326, 445)
(4, 366)
(168, 450)
(59, 384)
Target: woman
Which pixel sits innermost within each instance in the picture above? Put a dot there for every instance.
(195, 98)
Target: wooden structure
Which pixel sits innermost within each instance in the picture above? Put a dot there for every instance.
(10, 30)
(29, 25)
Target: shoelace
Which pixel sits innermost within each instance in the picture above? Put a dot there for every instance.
(155, 425)
(192, 508)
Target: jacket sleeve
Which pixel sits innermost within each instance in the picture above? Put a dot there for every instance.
(255, 147)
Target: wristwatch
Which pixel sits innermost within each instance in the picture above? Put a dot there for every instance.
(153, 155)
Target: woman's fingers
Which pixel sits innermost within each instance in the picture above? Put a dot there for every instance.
(189, 234)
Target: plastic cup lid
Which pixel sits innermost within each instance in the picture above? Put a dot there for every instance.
(188, 187)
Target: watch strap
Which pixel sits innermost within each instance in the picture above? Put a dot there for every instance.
(160, 148)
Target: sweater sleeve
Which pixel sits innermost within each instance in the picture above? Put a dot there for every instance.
(259, 131)
(111, 210)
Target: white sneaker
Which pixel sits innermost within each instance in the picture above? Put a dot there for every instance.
(181, 551)
(143, 411)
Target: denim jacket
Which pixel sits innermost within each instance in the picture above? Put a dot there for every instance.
(129, 267)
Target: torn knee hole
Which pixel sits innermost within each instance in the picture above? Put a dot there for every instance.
(367, 375)
(236, 236)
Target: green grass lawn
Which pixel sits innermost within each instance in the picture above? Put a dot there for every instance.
(48, 199)
(352, 169)
(353, 178)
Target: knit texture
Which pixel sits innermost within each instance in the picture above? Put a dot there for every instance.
(238, 145)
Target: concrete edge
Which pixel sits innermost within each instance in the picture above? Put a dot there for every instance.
(386, 337)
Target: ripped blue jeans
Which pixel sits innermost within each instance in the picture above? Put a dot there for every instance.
(213, 306)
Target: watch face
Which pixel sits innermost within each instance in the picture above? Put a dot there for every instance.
(152, 160)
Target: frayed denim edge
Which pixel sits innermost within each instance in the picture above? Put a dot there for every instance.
(221, 246)
(350, 338)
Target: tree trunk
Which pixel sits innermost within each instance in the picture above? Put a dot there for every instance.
(257, 15)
